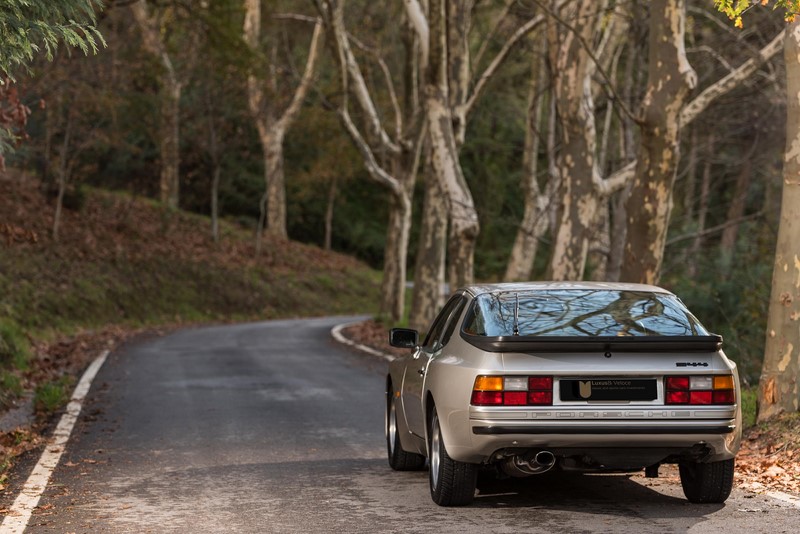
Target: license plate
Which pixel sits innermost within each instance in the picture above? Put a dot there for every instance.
(609, 389)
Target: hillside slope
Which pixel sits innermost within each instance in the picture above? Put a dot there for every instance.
(124, 264)
(126, 260)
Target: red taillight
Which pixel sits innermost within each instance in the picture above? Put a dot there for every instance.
(541, 398)
(699, 390)
(487, 398)
(677, 397)
(699, 397)
(724, 396)
(512, 391)
(677, 382)
(540, 383)
(515, 398)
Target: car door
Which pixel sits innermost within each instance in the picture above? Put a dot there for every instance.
(414, 379)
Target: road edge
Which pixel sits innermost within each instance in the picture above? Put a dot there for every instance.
(336, 334)
(20, 512)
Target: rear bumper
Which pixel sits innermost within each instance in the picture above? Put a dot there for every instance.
(489, 430)
(501, 430)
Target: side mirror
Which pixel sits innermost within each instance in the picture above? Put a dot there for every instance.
(403, 338)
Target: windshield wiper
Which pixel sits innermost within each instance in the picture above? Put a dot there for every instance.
(516, 314)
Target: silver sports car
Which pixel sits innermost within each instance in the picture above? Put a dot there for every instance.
(519, 379)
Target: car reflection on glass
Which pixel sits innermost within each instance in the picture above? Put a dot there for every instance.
(521, 379)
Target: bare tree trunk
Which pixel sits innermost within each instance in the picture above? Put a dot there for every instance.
(464, 225)
(736, 209)
(572, 68)
(275, 184)
(670, 78)
(395, 257)
(216, 165)
(332, 191)
(169, 131)
(272, 125)
(63, 170)
(429, 269)
(170, 141)
(702, 212)
(534, 220)
(779, 387)
(216, 174)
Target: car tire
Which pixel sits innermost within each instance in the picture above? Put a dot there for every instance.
(709, 482)
(399, 460)
(452, 483)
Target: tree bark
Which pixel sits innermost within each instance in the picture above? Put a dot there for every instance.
(779, 387)
(429, 269)
(332, 191)
(670, 79)
(464, 225)
(571, 72)
(169, 131)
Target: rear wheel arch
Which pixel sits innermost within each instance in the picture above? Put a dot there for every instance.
(429, 406)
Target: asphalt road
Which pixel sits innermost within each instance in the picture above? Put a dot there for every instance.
(272, 427)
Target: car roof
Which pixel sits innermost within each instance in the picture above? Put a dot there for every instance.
(519, 287)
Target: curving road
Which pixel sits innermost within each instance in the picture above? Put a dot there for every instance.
(272, 427)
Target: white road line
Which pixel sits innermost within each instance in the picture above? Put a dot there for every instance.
(785, 497)
(336, 333)
(20, 512)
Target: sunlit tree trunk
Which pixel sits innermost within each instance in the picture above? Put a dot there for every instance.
(571, 73)
(779, 387)
(670, 79)
(464, 226)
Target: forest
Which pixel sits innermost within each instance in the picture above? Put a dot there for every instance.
(444, 141)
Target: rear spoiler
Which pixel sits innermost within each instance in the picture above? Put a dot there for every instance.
(710, 343)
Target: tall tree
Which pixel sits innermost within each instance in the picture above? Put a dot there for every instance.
(780, 377)
(171, 84)
(575, 224)
(265, 91)
(391, 159)
(670, 79)
(450, 95)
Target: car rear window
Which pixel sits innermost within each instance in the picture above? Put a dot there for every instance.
(581, 313)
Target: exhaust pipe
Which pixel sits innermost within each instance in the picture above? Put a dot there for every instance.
(527, 465)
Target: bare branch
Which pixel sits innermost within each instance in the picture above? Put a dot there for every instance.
(501, 56)
(352, 71)
(420, 24)
(376, 172)
(733, 79)
(302, 89)
(714, 229)
(500, 19)
(609, 86)
(615, 182)
(398, 114)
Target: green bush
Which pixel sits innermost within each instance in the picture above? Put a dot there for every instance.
(51, 396)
